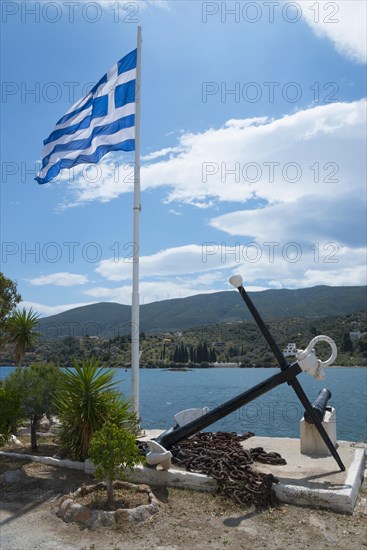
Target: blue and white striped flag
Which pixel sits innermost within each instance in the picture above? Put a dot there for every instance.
(101, 122)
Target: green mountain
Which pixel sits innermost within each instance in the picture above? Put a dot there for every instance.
(108, 320)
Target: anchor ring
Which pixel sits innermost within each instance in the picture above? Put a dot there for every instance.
(316, 340)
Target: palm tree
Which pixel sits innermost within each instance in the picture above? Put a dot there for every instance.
(21, 331)
(87, 397)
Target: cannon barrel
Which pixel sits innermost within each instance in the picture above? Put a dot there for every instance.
(319, 405)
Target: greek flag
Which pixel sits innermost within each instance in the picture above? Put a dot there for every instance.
(101, 122)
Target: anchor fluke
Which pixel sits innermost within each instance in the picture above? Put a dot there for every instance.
(158, 455)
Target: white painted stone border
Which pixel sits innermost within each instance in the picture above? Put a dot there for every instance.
(174, 478)
(50, 460)
(181, 479)
(141, 474)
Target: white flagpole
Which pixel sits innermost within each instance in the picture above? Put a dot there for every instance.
(135, 353)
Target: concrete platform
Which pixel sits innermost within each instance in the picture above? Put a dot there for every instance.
(314, 480)
(305, 480)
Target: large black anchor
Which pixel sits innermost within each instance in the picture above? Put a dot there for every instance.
(306, 362)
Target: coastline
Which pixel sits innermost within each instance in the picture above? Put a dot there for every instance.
(190, 366)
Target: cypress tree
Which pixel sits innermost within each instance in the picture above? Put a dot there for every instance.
(205, 352)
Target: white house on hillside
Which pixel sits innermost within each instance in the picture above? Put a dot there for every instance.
(290, 349)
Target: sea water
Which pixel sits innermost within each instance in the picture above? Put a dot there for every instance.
(277, 413)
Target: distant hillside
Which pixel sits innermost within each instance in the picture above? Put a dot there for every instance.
(108, 320)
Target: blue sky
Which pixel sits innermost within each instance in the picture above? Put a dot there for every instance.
(252, 141)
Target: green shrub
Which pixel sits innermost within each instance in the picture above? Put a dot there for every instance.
(114, 451)
(10, 413)
(35, 386)
(86, 400)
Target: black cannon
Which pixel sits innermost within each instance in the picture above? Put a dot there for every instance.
(319, 406)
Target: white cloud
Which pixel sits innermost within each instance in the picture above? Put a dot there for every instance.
(59, 279)
(293, 265)
(202, 263)
(160, 289)
(163, 4)
(246, 122)
(188, 259)
(348, 276)
(342, 22)
(100, 182)
(46, 311)
(101, 293)
(317, 151)
(193, 269)
(339, 218)
(161, 153)
(275, 160)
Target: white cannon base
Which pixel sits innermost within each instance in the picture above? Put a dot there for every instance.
(310, 439)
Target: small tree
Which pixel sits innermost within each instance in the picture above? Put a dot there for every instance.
(35, 387)
(113, 450)
(9, 298)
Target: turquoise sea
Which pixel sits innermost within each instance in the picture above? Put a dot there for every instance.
(277, 413)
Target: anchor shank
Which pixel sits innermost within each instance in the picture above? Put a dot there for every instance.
(283, 363)
(174, 435)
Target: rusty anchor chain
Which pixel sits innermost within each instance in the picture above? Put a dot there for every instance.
(221, 456)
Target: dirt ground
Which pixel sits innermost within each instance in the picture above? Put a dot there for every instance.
(186, 520)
